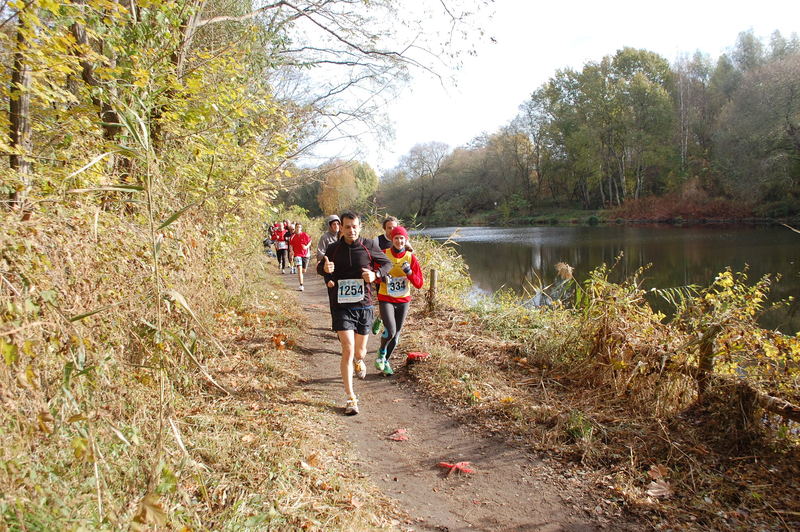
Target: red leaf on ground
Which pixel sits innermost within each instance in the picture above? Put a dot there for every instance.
(399, 435)
(461, 467)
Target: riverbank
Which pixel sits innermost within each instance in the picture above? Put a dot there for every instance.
(671, 210)
(608, 391)
(603, 216)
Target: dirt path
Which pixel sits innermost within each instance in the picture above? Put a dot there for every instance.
(510, 490)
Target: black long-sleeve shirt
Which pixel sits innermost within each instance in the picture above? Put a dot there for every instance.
(348, 261)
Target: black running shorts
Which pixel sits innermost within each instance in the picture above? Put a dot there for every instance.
(353, 319)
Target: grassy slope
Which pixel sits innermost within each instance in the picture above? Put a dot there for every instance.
(107, 422)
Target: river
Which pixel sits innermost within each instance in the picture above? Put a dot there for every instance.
(520, 256)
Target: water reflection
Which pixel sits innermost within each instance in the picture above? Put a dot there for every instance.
(517, 257)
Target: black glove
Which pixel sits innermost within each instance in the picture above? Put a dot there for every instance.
(406, 267)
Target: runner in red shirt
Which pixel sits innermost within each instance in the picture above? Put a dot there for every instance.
(300, 243)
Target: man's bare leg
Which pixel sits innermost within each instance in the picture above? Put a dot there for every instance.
(360, 351)
(346, 338)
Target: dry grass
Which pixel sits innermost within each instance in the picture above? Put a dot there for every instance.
(179, 412)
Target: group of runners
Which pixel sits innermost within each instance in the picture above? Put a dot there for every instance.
(292, 246)
(355, 270)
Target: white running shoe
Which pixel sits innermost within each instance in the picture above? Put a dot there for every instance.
(351, 407)
(300, 288)
(361, 369)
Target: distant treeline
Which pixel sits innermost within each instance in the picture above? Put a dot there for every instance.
(625, 130)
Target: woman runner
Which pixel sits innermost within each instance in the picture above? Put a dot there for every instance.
(394, 295)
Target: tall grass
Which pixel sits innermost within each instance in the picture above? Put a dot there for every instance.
(111, 420)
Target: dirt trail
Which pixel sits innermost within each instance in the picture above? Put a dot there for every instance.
(510, 489)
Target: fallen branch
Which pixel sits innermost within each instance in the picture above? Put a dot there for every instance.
(772, 404)
(778, 406)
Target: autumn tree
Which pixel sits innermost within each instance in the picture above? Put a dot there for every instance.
(339, 188)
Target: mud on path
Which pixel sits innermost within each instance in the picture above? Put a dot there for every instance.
(509, 490)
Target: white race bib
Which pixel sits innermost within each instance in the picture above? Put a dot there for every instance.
(281, 244)
(396, 286)
(349, 290)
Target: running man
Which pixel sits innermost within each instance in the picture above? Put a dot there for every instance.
(394, 295)
(279, 237)
(348, 267)
(333, 225)
(289, 253)
(300, 243)
(385, 240)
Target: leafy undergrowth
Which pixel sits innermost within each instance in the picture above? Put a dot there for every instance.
(128, 403)
(674, 470)
(693, 204)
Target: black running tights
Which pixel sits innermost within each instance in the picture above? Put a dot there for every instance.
(393, 316)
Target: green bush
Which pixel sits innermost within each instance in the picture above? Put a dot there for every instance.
(784, 208)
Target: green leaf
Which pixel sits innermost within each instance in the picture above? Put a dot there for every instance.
(174, 216)
(90, 313)
(48, 296)
(118, 188)
(9, 352)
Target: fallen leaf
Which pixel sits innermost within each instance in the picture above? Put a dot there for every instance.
(151, 512)
(355, 502)
(46, 421)
(399, 435)
(659, 488)
(461, 467)
(658, 472)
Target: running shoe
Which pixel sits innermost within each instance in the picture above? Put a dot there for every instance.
(361, 369)
(300, 288)
(379, 362)
(351, 407)
(387, 368)
(376, 325)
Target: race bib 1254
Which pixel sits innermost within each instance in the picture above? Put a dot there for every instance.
(350, 290)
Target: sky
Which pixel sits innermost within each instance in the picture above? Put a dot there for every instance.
(535, 38)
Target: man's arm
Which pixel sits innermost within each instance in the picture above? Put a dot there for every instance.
(328, 254)
(380, 258)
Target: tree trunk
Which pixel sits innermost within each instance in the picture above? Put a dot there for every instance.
(19, 113)
(110, 121)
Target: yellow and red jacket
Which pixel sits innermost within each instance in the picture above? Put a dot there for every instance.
(400, 281)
